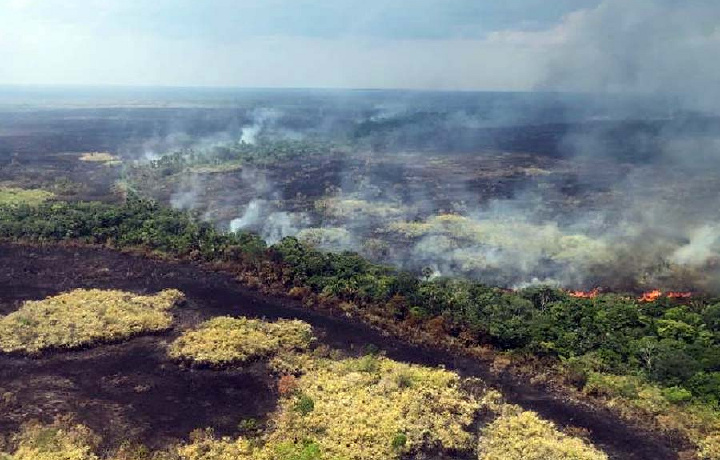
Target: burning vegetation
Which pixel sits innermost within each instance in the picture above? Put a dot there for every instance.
(585, 294)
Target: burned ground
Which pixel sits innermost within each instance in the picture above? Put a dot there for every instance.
(132, 390)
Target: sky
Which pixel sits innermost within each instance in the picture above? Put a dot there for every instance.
(513, 45)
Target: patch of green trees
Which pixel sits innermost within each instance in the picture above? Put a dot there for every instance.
(263, 153)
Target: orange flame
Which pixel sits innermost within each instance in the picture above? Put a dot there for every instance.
(652, 296)
(585, 294)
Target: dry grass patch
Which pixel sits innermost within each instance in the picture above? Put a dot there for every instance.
(82, 317)
(522, 435)
(15, 196)
(225, 340)
(100, 157)
(349, 207)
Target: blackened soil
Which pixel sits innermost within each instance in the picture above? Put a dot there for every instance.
(132, 389)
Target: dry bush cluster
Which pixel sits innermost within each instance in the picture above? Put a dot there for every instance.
(226, 340)
(82, 317)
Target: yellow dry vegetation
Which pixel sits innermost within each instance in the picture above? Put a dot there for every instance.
(522, 435)
(358, 409)
(225, 340)
(709, 448)
(339, 207)
(100, 157)
(84, 316)
(209, 448)
(373, 407)
(15, 196)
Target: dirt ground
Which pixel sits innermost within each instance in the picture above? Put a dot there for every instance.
(131, 390)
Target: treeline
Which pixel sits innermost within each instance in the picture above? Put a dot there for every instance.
(674, 342)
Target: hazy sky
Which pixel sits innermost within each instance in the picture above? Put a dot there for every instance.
(427, 44)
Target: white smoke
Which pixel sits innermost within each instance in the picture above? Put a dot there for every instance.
(703, 246)
(271, 225)
(261, 120)
(656, 47)
(282, 224)
(188, 192)
(250, 218)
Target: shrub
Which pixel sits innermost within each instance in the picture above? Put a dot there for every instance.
(304, 405)
(677, 395)
(399, 441)
(249, 426)
(525, 436)
(226, 340)
(306, 450)
(613, 385)
(287, 385)
(81, 317)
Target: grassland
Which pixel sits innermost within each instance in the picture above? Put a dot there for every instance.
(10, 196)
(225, 340)
(83, 317)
